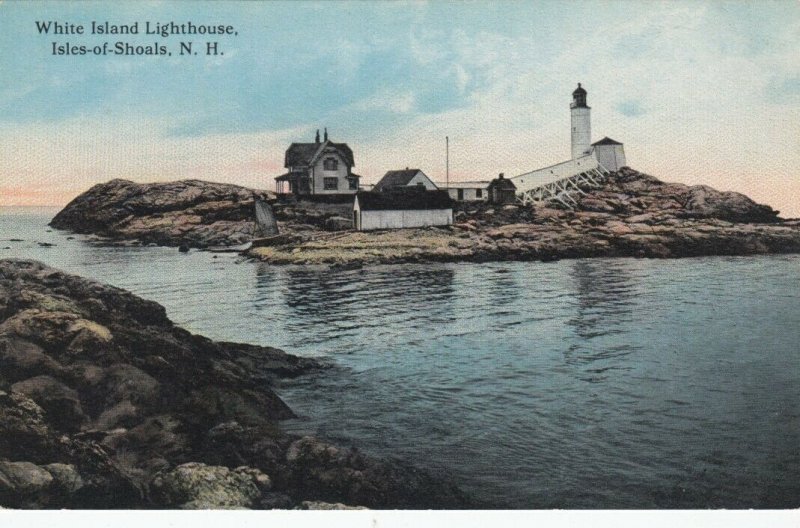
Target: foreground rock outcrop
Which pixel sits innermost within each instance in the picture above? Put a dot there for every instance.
(631, 215)
(104, 403)
(194, 213)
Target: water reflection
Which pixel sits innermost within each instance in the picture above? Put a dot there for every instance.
(606, 297)
(504, 287)
(334, 306)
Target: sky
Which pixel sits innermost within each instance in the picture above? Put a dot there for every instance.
(699, 93)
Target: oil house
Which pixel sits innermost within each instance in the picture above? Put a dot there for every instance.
(502, 191)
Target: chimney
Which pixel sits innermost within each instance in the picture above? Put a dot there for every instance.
(501, 176)
(317, 138)
(326, 133)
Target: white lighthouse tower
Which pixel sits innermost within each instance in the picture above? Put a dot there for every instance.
(581, 124)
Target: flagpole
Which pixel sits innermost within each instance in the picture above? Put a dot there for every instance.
(447, 159)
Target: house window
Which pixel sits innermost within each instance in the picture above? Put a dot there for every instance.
(478, 193)
(353, 183)
(461, 194)
(330, 164)
(330, 184)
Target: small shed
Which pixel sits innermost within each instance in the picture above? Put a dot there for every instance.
(400, 209)
(502, 191)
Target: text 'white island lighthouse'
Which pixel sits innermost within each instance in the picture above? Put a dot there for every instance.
(581, 124)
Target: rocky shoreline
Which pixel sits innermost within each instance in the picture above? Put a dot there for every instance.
(104, 403)
(631, 215)
(524, 242)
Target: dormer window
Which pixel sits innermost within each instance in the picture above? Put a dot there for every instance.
(330, 164)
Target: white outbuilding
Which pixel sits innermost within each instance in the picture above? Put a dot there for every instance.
(402, 209)
(609, 153)
(466, 191)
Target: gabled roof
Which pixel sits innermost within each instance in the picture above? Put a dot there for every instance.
(300, 154)
(396, 178)
(303, 154)
(504, 184)
(409, 198)
(606, 141)
(463, 184)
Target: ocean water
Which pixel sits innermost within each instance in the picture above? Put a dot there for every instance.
(605, 383)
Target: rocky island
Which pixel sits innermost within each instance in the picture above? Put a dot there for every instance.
(191, 212)
(105, 403)
(631, 215)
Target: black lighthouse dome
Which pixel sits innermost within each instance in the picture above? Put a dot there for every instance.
(579, 96)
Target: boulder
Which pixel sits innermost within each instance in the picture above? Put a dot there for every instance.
(596, 205)
(642, 218)
(275, 501)
(127, 383)
(323, 472)
(66, 478)
(21, 483)
(21, 359)
(123, 414)
(338, 223)
(61, 403)
(196, 486)
(24, 430)
(632, 192)
(704, 201)
(618, 228)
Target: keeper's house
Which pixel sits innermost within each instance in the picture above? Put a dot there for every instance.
(400, 209)
(321, 168)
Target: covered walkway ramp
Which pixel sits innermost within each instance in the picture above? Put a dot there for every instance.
(561, 182)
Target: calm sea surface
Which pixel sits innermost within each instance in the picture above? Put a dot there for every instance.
(607, 383)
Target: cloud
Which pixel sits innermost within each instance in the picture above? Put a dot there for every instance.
(630, 108)
(783, 90)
